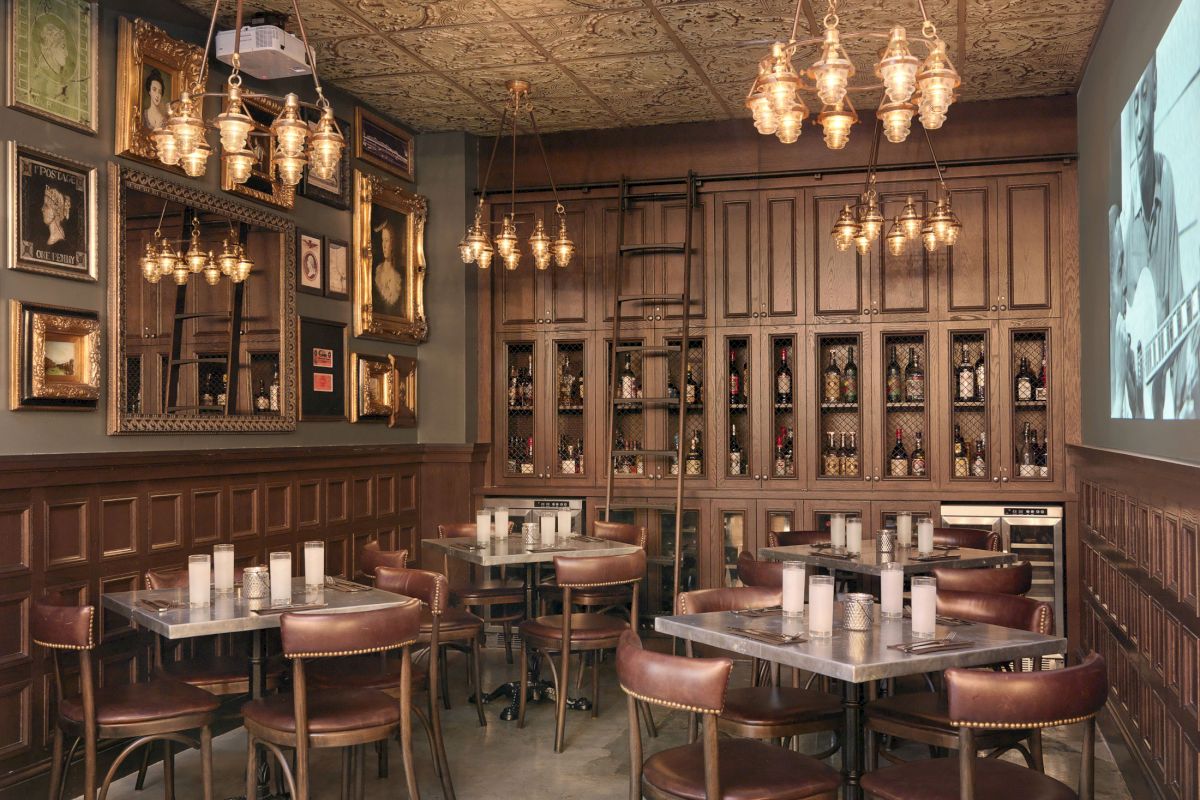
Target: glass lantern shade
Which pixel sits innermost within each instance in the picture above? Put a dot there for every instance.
(897, 67)
(832, 71)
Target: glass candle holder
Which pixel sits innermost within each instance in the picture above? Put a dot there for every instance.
(924, 607)
(281, 578)
(793, 588)
(820, 606)
(564, 522)
(837, 530)
(256, 583)
(223, 568)
(904, 528)
(501, 527)
(199, 578)
(858, 611)
(925, 536)
(891, 590)
(854, 535)
(483, 526)
(548, 524)
(314, 564)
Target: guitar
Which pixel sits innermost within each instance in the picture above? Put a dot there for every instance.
(1154, 347)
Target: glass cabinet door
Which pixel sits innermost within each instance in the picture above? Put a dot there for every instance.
(1029, 376)
(837, 381)
(571, 389)
(904, 447)
(782, 448)
(739, 450)
(734, 534)
(521, 369)
(660, 576)
(629, 411)
(691, 388)
(969, 450)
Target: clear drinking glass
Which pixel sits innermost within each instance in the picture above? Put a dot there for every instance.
(924, 607)
(199, 578)
(793, 588)
(904, 528)
(281, 578)
(925, 536)
(314, 564)
(854, 535)
(820, 606)
(837, 529)
(891, 590)
(223, 568)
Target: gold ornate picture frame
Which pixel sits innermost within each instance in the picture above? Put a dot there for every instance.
(152, 69)
(383, 144)
(404, 409)
(373, 388)
(263, 184)
(389, 261)
(52, 60)
(55, 357)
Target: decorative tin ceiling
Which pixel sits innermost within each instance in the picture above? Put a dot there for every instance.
(441, 65)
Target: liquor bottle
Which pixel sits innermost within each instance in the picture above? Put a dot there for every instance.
(966, 379)
(1023, 386)
(788, 453)
(783, 380)
(850, 456)
(914, 379)
(831, 458)
(527, 462)
(578, 398)
(273, 391)
(566, 457)
(918, 457)
(735, 380)
(980, 375)
(1041, 389)
(262, 400)
(959, 454)
(637, 460)
(672, 389)
(1043, 455)
(514, 389)
(527, 399)
(224, 392)
(833, 381)
(566, 383)
(691, 388)
(673, 468)
(895, 383)
(1025, 457)
(628, 381)
(513, 449)
(781, 465)
(979, 463)
(579, 457)
(735, 452)
(850, 378)
(694, 465)
(898, 459)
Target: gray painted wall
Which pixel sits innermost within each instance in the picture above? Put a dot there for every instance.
(1125, 44)
(445, 173)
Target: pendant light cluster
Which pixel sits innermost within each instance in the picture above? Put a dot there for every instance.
(476, 247)
(163, 258)
(182, 139)
(911, 86)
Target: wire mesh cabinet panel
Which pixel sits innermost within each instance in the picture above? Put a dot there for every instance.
(903, 371)
(570, 440)
(519, 455)
(840, 385)
(782, 402)
(693, 390)
(969, 453)
(738, 382)
(1028, 383)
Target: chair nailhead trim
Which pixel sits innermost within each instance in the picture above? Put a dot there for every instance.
(351, 652)
(597, 585)
(1021, 725)
(669, 704)
(91, 644)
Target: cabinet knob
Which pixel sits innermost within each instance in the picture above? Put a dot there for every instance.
(867, 310)
(995, 479)
(658, 316)
(874, 310)
(650, 317)
(1003, 307)
(993, 306)
(758, 477)
(1004, 478)
(876, 478)
(754, 314)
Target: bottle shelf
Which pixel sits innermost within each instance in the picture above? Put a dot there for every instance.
(839, 406)
(784, 407)
(520, 409)
(906, 406)
(739, 408)
(970, 405)
(1029, 404)
(570, 409)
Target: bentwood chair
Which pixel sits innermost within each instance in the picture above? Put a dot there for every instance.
(370, 558)
(582, 632)
(980, 701)
(501, 599)
(767, 574)
(1015, 579)
(712, 769)
(348, 717)
(925, 718)
(156, 711)
(602, 597)
(792, 538)
(971, 538)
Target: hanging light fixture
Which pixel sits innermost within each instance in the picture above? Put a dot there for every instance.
(896, 240)
(181, 140)
(474, 248)
(162, 258)
(910, 85)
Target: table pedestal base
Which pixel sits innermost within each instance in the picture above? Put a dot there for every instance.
(537, 691)
(854, 698)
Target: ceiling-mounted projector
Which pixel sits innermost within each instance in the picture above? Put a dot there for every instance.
(267, 52)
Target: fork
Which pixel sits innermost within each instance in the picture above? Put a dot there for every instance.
(781, 638)
(913, 647)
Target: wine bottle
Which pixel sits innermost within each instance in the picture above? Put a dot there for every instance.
(691, 388)
(273, 391)
(224, 392)
(1026, 456)
(579, 457)
(566, 457)
(918, 457)
(980, 375)
(579, 388)
(674, 464)
(895, 383)
(695, 456)
(966, 379)
(979, 464)
(735, 380)
(914, 379)
(527, 462)
(628, 380)
(514, 386)
(1041, 389)
(833, 380)
(783, 380)
(781, 468)
(959, 455)
(850, 378)
(566, 382)
(735, 452)
(850, 457)
(1043, 456)
(1023, 388)
(512, 465)
(262, 400)
(831, 458)
(788, 454)
(898, 459)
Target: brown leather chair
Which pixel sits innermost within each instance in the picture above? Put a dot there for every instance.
(347, 716)
(767, 574)
(583, 632)
(712, 769)
(601, 596)
(158, 710)
(983, 701)
(972, 538)
(924, 717)
(370, 558)
(792, 538)
(501, 599)
(1016, 579)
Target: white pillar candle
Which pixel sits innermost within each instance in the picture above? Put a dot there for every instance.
(891, 590)
(548, 521)
(281, 578)
(837, 530)
(924, 607)
(854, 535)
(501, 522)
(820, 606)
(564, 522)
(904, 528)
(793, 588)
(314, 564)
(483, 526)
(199, 577)
(925, 535)
(223, 568)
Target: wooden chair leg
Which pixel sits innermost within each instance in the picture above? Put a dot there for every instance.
(381, 756)
(477, 674)
(1035, 749)
(346, 776)
(206, 765)
(872, 755)
(89, 765)
(251, 768)
(169, 770)
(560, 699)
(595, 684)
(524, 687)
(56, 765)
(508, 637)
(140, 783)
(360, 769)
(406, 749)
(444, 677)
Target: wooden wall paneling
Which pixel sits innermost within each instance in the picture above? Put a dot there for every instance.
(736, 256)
(113, 625)
(385, 493)
(14, 629)
(118, 523)
(309, 503)
(15, 539)
(1030, 248)
(244, 512)
(515, 290)
(568, 294)
(16, 719)
(903, 286)
(633, 275)
(208, 521)
(67, 518)
(362, 490)
(278, 502)
(337, 499)
(165, 521)
(840, 282)
(968, 287)
(670, 221)
(782, 288)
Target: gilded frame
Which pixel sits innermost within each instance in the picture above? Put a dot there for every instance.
(121, 177)
(139, 43)
(364, 121)
(373, 388)
(404, 409)
(17, 257)
(32, 386)
(92, 69)
(265, 188)
(406, 321)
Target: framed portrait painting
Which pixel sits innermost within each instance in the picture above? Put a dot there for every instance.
(52, 60)
(55, 357)
(153, 70)
(310, 271)
(384, 145)
(389, 261)
(53, 213)
(337, 269)
(322, 346)
(334, 190)
(373, 388)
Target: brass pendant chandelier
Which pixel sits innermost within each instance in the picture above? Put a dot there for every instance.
(475, 247)
(163, 257)
(182, 140)
(911, 87)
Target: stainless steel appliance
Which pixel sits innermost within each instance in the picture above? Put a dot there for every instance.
(1034, 531)
(522, 509)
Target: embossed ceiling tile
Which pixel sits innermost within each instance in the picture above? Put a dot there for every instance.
(546, 80)
(339, 59)
(731, 64)
(491, 45)
(734, 95)
(390, 16)
(627, 74)
(1021, 77)
(1072, 33)
(581, 111)
(410, 90)
(445, 118)
(726, 24)
(683, 98)
(322, 18)
(993, 10)
(525, 9)
(591, 35)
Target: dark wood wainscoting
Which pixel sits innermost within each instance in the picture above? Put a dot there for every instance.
(90, 524)
(1137, 581)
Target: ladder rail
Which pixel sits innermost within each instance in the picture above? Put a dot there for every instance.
(685, 346)
(612, 358)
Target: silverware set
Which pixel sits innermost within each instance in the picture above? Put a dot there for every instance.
(341, 585)
(158, 606)
(469, 546)
(757, 612)
(944, 557)
(948, 642)
(770, 637)
(285, 609)
(582, 538)
(941, 620)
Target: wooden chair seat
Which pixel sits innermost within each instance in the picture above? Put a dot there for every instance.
(493, 589)
(585, 629)
(749, 769)
(456, 625)
(938, 779)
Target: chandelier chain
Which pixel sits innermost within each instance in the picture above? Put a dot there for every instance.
(212, 27)
(937, 166)
(537, 135)
(492, 159)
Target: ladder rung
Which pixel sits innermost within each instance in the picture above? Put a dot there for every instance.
(650, 350)
(652, 196)
(211, 360)
(650, 298)
(634, 503)
(645, 401)
(204, 315)
(194, 408)
(644, 452)
(637, 249)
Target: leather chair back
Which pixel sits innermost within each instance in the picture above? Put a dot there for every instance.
(460, 530)
(371, 558)
(1016, 579)
(691, 684)
(56, 623)
(739, 598)
(581, 572)
(986, 699)
(790, 538)
(620, 532)
(973, 538)
(752, 572)
(317, 635)
(168, 578)
(1006, 610)
(431, 588)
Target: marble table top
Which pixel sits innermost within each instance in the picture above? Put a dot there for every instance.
(859, 656)
(513, 550)
(233, 613)
(870, 562)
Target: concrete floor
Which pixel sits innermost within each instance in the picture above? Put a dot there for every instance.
(500, 761)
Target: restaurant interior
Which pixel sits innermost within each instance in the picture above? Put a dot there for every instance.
(586, 399)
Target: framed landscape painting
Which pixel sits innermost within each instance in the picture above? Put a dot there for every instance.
(382, 144)
(52, 60)
(55, 357)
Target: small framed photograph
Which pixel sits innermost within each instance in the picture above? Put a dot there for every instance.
(55, 357)
(310, 271)
(334, 190)
(52, 60)
(337, 269)
(321, 345)
(404, 410)
(373, 388)
(53, 213)
(384, 145)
